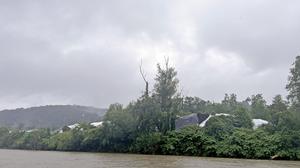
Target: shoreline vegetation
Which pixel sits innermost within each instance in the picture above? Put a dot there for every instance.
(147, 125)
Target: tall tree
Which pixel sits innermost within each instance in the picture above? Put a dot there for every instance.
(242, 118)
(166, 85)
(147, 113)
(165, 92)
(278, 104)
(230, 99)
(229, 104)
(118, 129)
(259, 107)
(278, 108)
(193, 105)
(293, 86)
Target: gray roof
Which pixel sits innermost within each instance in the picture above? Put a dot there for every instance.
(191, 119)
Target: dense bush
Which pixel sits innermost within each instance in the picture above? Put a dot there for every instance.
(148, 143)
(189, 141)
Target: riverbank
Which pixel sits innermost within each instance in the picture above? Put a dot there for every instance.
(37, 159)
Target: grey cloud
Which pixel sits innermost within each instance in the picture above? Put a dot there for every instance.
(263, 32)
(88, 52)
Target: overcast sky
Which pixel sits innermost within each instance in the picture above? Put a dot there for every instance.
(88, 52)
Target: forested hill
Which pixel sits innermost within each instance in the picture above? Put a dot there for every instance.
(51, 116)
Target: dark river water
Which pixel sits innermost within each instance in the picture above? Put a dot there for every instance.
(44, 159)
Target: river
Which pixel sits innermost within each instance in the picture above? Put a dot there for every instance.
(45, 159)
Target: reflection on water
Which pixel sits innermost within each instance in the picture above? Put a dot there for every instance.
(44, 159)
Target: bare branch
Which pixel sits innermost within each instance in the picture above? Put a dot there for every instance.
(166, 61)
(144, 78)
(142, 72)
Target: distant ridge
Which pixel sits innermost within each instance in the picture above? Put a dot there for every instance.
(50, 116)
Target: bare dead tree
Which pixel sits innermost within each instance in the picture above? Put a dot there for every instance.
(146, 94)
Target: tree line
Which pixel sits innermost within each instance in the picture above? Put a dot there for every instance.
(147, 125)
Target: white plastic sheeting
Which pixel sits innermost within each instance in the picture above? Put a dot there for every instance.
(259, 122)
(97, 124)
(205, 121)
(73, 126)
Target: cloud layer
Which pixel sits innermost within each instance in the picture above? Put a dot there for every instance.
(88, 52)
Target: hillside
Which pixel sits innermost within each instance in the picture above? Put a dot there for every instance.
(52, 116)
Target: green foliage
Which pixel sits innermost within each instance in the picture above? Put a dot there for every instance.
(119, 129)
(220, 126)
(11, 140)
(165, 87)
(91, 140)
(147, 143)
(194, 105)
(242, 118)
(278, 104)
(293, 86)
(4, 133)
(229, 104)
(278, 109)
(189, 141)
(166, 96)
(213, 108)
(288, 145)
(66, 141)
(60, 141)
(259, 107)
(148, 115)
(34, 140)
(245, 143)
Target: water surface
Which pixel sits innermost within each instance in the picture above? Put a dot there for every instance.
(45, 159)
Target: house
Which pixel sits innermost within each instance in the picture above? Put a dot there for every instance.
(191, 119)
